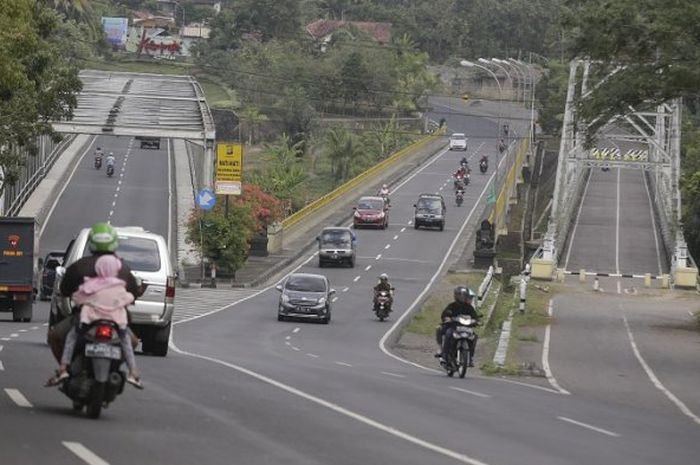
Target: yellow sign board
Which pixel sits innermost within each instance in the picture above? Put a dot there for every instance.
(229, 162)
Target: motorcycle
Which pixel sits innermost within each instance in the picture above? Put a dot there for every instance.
(483, 166)
(110, 170)
(382, 305)
(98, 162)
(459, 197)
(97, 371)
(386, 198)
(457, 356)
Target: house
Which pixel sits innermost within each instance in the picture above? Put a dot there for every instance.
(322, 30)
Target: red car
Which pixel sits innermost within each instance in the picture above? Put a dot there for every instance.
(371, 211)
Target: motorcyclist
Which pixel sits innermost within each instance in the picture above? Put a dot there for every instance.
(484, 161)
(110, 159)
(98, 152)
(384, 192)
(462, 305)
(464, 163)
(502, 146)
(102, 240)
(383, 285)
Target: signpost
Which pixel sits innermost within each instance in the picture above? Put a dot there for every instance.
(206, 199)
(229, 162)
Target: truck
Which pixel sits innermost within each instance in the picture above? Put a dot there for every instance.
(18, 269)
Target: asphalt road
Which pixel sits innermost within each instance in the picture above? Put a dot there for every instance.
(241, 387)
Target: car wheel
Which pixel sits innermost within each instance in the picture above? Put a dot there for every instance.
(320, 262)
(159, 341)
(415, 225)
(327, 319)
(281, 318)
(442, 226)
(352, 262)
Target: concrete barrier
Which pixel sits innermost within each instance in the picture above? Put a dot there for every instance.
(685, 277)
(542, 268)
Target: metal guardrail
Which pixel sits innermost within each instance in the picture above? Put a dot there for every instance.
(354, 182)
(34, 172)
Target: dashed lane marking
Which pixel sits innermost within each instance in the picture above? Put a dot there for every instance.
(395, 375)
(312, 355)
(22, 330)
(357, 278)
(334, 299)
(18, 398)
(403, 229)
(296, 330)
(34, 328)
(296, 348)
(590, 427)
(368, 267)
(5, 339)
(85, 454)
(288, 343)
(14, 335)
(387, 246)
(2, 367)
(1, 347)
(396, 237)
(474, 393)
(345, 289)
(343, 364)
(378, 257)
(287, 338)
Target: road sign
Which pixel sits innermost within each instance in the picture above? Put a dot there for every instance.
(229, 161)
(206, 199)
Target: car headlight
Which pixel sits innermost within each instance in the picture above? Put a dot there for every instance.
(357, 214)
(321, 301)
(285, 299)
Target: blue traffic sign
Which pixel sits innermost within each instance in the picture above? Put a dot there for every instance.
(206, 199)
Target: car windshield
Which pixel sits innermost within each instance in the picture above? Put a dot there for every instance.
(139, 253)
(306, 284)
(430, 205)
(336, 237)
(457, 136)
(369, 205)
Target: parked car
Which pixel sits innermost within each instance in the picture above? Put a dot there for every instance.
(458, 141)
(371, 211)
(336, 245)
(148, 257)
(305, 296)
(48, 274)
(430, 211)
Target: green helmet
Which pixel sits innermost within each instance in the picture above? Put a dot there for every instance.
(103, 238)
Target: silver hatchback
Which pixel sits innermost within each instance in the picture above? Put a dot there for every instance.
(147, 255)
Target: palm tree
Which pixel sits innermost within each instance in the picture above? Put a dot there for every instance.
(73, 9)
(345, 152)
(253, 117)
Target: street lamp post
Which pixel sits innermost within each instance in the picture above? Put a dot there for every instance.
(518, 73)
(502, 68)
(469, 64)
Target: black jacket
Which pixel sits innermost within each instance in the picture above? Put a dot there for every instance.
(382, 287)
(459, 308)
(85, 267)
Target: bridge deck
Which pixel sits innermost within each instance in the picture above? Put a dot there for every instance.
(615, 230)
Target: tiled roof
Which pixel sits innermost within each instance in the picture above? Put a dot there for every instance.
(323, 27)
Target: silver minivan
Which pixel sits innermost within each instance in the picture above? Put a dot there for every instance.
(147, 255)
(336, 245)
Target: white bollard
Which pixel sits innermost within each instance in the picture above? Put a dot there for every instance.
(582, 276)
(596, 284)
(523, 293)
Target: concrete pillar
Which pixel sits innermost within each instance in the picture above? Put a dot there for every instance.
(647, 280)
(582, 276)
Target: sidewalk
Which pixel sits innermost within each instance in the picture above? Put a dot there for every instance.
(257, 271)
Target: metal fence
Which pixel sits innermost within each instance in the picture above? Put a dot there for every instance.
(32, 173)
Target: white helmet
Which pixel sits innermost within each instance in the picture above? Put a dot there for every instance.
(384, 186)
(384, 277)
(111, 154)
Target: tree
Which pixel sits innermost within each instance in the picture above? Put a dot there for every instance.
(655, 48)
(269, 18)
(354, 78)
(285, 173)
(345, 151)
(37, 84)
(253, 117)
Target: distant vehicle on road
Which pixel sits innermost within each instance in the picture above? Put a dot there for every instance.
(430, 211)
(305, 296)
(458, 141)
(149, 142)
(148, 257)
(18, 271)
(48, 274)
(336, 245)
(371, 211)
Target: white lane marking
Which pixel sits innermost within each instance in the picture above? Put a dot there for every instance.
(545, 355)
(458, 456)
(387, 246)
(653, 223)
(118, 189)
(170, 197)
(2, 347)
(441, 188)
(296, 348)
(287, 338)
(111, 212)
(6, 339)
(409, 310)
(410, 222)
(578, 216)
(2, 367)
(334, 299)
(34, 328)
(474, 393)
(345, 289)
(312, 355)
(120, 182)
(357, 278)
(395, 375)
(403, 229)
(590, 427)
(617, 233)
(18, 398)
(396, 237)
(378, 257)
(116, 194)
(65, 186)
(14, 335)
(288, 343)
(519, 383)
(343, 364)
(22, 330)
(85, 454)
(296, 330)
(655, 381)
(368, 267)
(45, 324)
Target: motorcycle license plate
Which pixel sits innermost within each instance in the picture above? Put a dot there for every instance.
(462, 329)
(103, 351)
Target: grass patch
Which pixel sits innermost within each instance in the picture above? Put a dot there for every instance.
(217, 97)
(529, 338)
(425, 321)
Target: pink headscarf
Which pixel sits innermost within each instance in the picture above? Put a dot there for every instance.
(104, 297)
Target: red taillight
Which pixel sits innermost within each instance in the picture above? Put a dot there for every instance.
(170, 287)
(103, 333)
